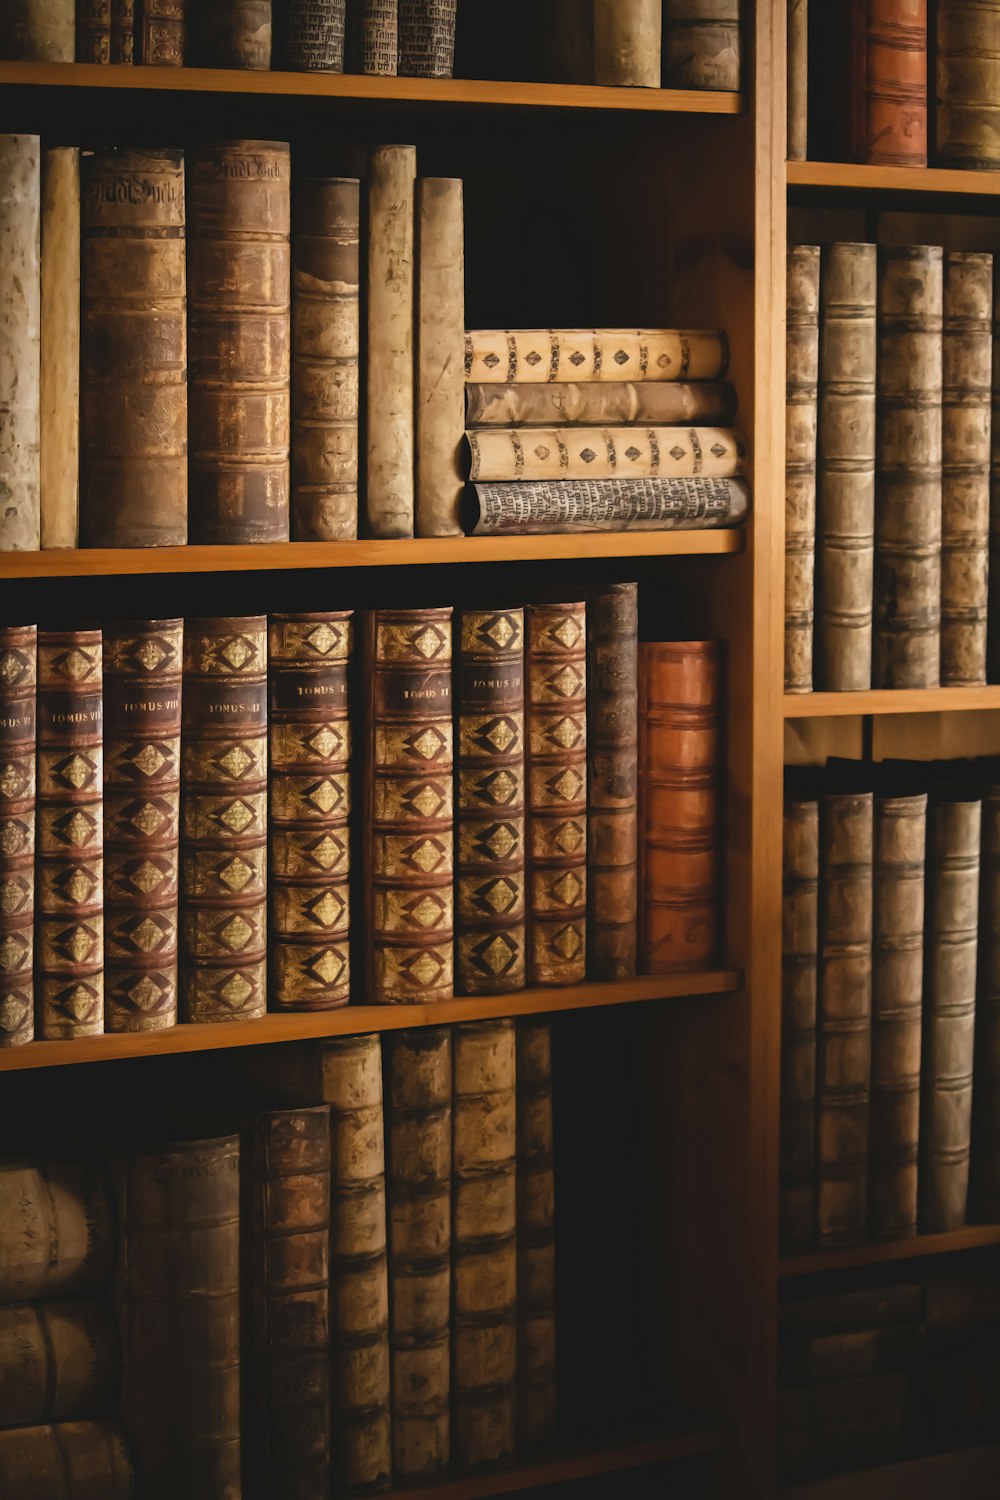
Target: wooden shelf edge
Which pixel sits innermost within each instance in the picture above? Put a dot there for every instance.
(890, 701)
(972, 1237)
(353, 1020)
(855, 176)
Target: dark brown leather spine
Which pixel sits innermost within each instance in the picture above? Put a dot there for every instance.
(224, 820)
(233, 34)
(889, 82)
(313, 36)
(182, 1357)
(59, 1361)
(160, 33)
(426, 38)
(613, 753)
(69, 872)
(122, 31)
(536, 1228)
(18, 679)
(239, 301)
(310, 798)
(134, 414)
(409, 806)
(490, 943)
(68, 1461)
(799, 946)
(374, 36)
(58, 1236)
(680, 761)
(701, 44)
(142, 783)
(984, 1173)
(93, 31)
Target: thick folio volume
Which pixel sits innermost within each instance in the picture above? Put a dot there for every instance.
(889, 82)
(224, 820)
(613, 765)
(799, 948)
(702, 44)
(93, 31)
(967, 113)
(232, 34)
(20, 355)
(552, 506)
(69, 871)
(143, 662)
(312, 38)
(427, 38)
(59, 468)
(538, 356)
(182, 1345)
(389, 487)
(627, 36)
(58, 1361)
(557, 453)
(159, 33)
(984, 1172)
(58, 1236)
(440, 393)
(602, 403)
(38, 31)
(374, 39)
(310, 796)
(798, 79)
(67, 1461)
(536, 1223)
(18, 679)
(325, 343)
(801, 376)
(134, 415)
(239, 303)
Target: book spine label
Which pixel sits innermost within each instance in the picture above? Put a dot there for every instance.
(799, 949)
(908, 478)
(18, 686)
(160, 33)
(556, 661)
(627, 42)
(58, 1236)
(59, 1361)
(846, 468)
(59, 457)
(20, 296)
(38, 30)
(490, 941)
(325, 335)
(526, 507)
(893, 116)
(390, 419)
(604, 453)
(375, 37)
(310, 796)
(538, 356)
(239, 306)
(142, 771)
(612, 402)
(122, 31)
(314, 36)
(798, 79)
(224, 819)
(613, 766)
(233, 34)
(966, 55)
(69, 872)
(440, 371)
(536, 1221)
(93, 31)
(702, 44)
(984, 1185)
(94, 1454)
(802, 365)
(427, 38)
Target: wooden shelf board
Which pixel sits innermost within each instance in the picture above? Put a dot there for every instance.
(353, 1020)
(972, 1237)
(350, 86)
(856, 177)
(890, 701)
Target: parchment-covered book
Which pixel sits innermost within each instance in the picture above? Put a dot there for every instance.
(527, 507)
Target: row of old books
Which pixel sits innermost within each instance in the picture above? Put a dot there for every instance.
(493, 842)
(890, 1102)
(345, 1286)
(888, 469)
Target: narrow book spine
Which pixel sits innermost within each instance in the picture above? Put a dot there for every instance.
(59, 1361)
(627, 42)
(799, 949)
(536, 1226)
(92, 1456)
(993, 588)
(389, 489)
(310, 796)
(702, 44)
(669, 403)
(93, 31)
(69, 873)
(38, 31)
(556, 663)
(160, 33)
(122, 31)
(59, 456)
(142, 773)
(801, 376)
(440, 394)
(18, 686)
(58, 1236)
(526, 507)
(239, 305)
(20, 354)
(314, 33)
(891, 83)
(539, 356)
(967, 112)
(233, 34)
(984, 1183)
(798, 79)
(325, 343)
(427, 38)
(613, 767)
(559, 453)
(224, 820)
(374, 37)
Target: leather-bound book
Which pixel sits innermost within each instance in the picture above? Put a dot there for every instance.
(524, 507)
(67, 1461)
(596, 404)
(798, 79)
(59, 436)
(38, 31)
(701, 44)
(440, 392)
(840, 1312)
(69, 869)
(818, 1358)
(93, 31)
(224, 820)
(556, 663)
(954, 825)
(908, 473)
(426, 38)
(613, 756)
(799, 951)
(888, 93)
(843, 1081)
(965, 465)
(499, 454)
(239, 300)
(122, 31)
(680, 759)
(993, 607)
(418, 1123)
(310, 796)
(134, 415)
(182, 1340)
(897, 1003)
(143, 661)
(59, 1361)
(484, 1252)
(20, 294)
(490, 885)
(159, 37)
(801, 376)
(232, 34)
(984, 1172)
(389, 482)
(627, 35)
(846, 469)
(538, 356)
(408, 806)
(313, 36)
(18, 678)
(965, 116)
(374, 36)
(325, 335)
(58, 1236)
(536, 1225)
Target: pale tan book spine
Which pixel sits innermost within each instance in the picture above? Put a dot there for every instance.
(536, 1227)
(58, 1236)
(20, 212)
(627, 37)
(799, 974)
(701, 44)
(801, 376)
(539, 356)
(38, 30)
(440, 394)
(389, 487)
(993, 608)
(59, 492)
(556, 453)
(59, 1361)
(967, 63)
(798, 79)
(374, 37)
(596, 404)
(18, 755)
(92, 1458)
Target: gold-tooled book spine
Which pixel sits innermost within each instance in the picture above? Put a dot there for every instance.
(799, 947)
(389, 450)
(91, 1457)
(427, 38)
(38, 30)
(953, 841)
(613, 756)
(182, 1345)
(440, 390)
(484, 1250)
(490, 941)
(984, 1174)
(93, 31)
(993, 607)
(59, 457)
(58, 1236)
(160, 33)
(59, 1361)
(556, 665)
(702, 44)
(843, 1080)
(69, 870)
(374, 36)
(134, 412)
(845, 532)
(536, 1227)
(239, 301)
(232, 34)
(408, 822)
(359, 1281)
(627, 35)
(967, 352)
(500, 454)
(310, 801)
(967, 67)
(143, 662)
(224, 820)
(798, 79)
(18, 679)
(539, 356)
(325, 343)
(419, 1125)
(612, 402)
(897, 1004)
(289, 1434)
(123, 31)
(20, 357)
(907, 646)
(802, 373)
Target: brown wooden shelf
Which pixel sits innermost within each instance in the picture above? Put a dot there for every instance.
(890, 701)
(852, 176)
(972, 1237)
